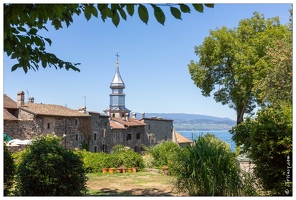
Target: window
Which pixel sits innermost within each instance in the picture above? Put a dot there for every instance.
(48, 125)
(104, 133)
(76, 137)
(95, 149)
(76, 122)
(81, 136)
(104, 148)
(113, 115)
(138, 136)
(129, 137)
(95, 136)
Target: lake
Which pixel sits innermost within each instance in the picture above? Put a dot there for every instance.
(222, 135)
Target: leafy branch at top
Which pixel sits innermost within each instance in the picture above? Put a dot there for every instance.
(23, 21)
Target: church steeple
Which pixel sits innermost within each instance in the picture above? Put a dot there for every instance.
(117, 80)
(117, 97)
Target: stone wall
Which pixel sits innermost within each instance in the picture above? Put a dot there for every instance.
(157, 130)
(101, 135)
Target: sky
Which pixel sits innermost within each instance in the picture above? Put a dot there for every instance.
(153, 61)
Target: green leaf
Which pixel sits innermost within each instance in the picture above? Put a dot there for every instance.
(48, 40)
(33, 31)
(21, 29)
(14, 67)
(176, 12)
(184, 8)
(94, 11)
(198, 7)
(130, 9)
(159, 15)
(143, 13)
(115, 18)
(122, 13)
(87, 12)
(209, 5)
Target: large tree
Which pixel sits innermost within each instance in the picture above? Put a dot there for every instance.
(23, 21)
(230, 60)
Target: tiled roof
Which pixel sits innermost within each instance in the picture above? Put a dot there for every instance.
(8, 102)
(181, 139)
(130, 122)
(7, 115)
(115, 125)
(52, 110)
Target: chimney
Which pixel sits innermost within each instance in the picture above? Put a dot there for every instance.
(134, 116)
(20, 98)
(143, 115)
(126, 116)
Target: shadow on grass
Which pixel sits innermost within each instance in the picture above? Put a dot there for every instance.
(133, 192)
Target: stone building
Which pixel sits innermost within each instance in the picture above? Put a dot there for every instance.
(81, 128)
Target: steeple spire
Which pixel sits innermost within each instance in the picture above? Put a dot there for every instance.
(117, 97)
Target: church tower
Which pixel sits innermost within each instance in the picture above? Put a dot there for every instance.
(117, 97)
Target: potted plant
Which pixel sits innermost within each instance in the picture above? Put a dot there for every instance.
(165, 169)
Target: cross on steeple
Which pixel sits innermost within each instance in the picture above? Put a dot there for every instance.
(117, 55)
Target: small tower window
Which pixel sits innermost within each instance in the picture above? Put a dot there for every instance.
(76, 137)
(129, 137)
(76, 122)
(95, 149)
(95, 136)
(48, 125)
(138, 136)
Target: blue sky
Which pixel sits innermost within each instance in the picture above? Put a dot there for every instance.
(153, 61)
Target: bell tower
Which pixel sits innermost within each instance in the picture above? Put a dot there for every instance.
(117, 97)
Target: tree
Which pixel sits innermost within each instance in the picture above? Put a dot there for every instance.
(276, 87)
(230, 60)
(267, 139)
(48, 169)
(208, 168)
(9, 171)
(86, 130)
(22, 22)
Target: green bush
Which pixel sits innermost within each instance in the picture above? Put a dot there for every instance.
(208, 168)
(9, 171)
(267, 139)
(94, 162)
(48, 169)
(163, 154)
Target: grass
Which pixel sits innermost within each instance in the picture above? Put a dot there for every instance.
(130, 184)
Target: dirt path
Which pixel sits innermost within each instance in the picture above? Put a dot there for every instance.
(131, 184)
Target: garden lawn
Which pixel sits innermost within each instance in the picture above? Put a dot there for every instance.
(130, 184)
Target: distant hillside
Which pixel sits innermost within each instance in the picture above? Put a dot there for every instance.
(194, 122)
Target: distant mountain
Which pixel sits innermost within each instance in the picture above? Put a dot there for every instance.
(190, 122)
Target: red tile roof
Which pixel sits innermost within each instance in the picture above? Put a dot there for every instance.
(52, 110)
(115, 125)
(181, 139)
(8, 116)
(130, 122)
(8, 102)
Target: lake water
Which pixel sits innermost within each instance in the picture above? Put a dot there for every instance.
(222, 135)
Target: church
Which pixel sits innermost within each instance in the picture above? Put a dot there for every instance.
(95, 131)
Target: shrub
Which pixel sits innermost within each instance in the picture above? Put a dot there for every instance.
(268, 141)
(48, 169)
(208, 168)
(163, 153)
(9, 171)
